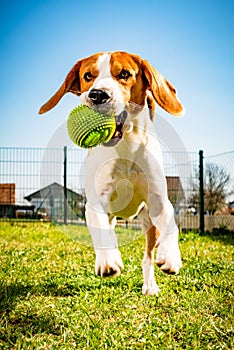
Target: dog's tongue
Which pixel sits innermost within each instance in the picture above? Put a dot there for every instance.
(117, 136)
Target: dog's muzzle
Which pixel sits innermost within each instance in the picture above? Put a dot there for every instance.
(100, 100)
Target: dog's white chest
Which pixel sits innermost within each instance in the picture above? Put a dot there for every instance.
(128, 192)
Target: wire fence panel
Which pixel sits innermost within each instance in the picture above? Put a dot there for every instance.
(19, 168)
(219, 191)
(180, 170)
(36, 176)
(48, 184)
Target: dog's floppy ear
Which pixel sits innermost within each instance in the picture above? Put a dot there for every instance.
(71, 84)
(163, 92)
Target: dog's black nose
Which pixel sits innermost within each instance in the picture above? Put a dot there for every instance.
(98, 96)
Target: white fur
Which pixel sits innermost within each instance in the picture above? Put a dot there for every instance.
(122, 168)
(150, 286)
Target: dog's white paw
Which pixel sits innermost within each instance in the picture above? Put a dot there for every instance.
(150, 288)
(108, 262)
(168, 255)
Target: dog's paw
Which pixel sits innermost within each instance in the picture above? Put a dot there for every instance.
(150, 288)
(168, 256)
(108, 262)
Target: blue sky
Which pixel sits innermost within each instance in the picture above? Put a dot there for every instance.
(190, 43)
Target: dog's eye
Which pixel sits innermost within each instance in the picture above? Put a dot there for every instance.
(88, 76)
(124, 74)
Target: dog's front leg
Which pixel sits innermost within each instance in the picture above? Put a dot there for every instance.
(108, 257)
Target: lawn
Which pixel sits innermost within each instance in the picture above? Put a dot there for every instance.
(50, 297)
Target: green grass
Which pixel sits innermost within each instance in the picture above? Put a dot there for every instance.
(50, 297)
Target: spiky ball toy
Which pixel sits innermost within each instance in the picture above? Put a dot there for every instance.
(89, 128)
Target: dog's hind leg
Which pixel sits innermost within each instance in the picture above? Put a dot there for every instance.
(150, 286)
(168, 252)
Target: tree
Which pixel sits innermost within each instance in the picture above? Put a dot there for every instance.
(216, 188)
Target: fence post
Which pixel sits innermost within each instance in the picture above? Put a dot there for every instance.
(201, 191)
(65, 186)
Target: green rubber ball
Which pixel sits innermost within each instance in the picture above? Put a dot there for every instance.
(89, 128)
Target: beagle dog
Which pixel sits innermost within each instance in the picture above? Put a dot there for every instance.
(124, 177)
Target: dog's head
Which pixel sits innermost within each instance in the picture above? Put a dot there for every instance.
(111, 81)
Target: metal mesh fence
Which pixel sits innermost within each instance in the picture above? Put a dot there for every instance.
(219, 191)
(48, 184)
